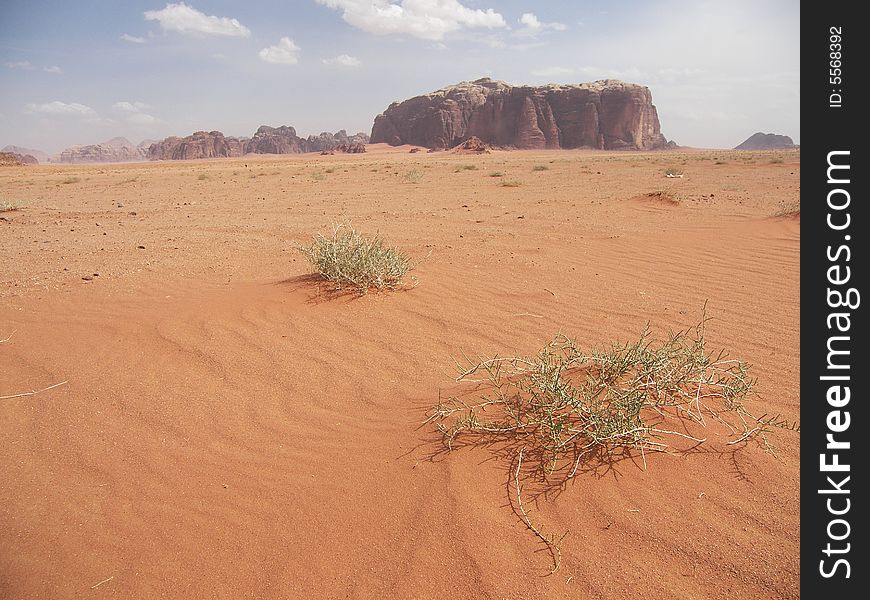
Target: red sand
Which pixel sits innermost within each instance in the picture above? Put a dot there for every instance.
(227, 430)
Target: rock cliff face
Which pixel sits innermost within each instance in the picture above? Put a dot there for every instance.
(605, 114)
(115, 150)
(766, 141)
(201, 144)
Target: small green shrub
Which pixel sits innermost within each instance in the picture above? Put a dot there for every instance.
(350, 259)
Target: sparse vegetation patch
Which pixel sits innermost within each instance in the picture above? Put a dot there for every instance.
(8, 205)
(351, 260)
(566, 410)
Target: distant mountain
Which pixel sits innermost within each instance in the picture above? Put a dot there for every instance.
(37, 154)
(266, 140)
(117, 149)
(766, 141)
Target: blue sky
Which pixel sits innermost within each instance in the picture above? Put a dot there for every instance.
(86, 71)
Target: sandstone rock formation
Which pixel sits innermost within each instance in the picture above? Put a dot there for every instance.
(11, 159)
(331, 141)
(41, 157)
(201, 144)
(266, 140)
(114, 150)
(605, 114)
(766, 141)
(276, 140)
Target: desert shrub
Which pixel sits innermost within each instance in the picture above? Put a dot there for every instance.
(776, 161)
(412, 176)
(465, 168)
(69, 180)
(350, 259)
(540, 168)
(673, 172)
(511, 183)
(497, 174)
(202, 176)
(7, 205)
(567, 409)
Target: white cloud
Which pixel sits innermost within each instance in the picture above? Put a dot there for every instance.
(186, 19)
(142, 119)
(133, 39)
(553, 72)
(52, 69)
(285, 52)
(343, 60)
(424, 19)
(21, 64)
(61, 108)
(532, 25)
(134, 112)
(129, 107)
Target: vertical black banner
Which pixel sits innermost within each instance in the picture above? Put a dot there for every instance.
(834, 226)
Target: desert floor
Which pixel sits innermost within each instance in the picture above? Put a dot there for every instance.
(227, 428)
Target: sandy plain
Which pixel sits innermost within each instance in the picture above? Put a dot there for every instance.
(227, 429)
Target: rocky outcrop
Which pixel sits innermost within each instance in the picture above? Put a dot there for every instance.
(11, 159)
(41, 157)
(767, 141)
(201, 144)
(605, 114)
(331, 141)
(472, 145)
(275, 140)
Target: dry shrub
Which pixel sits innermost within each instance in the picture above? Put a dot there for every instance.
(350, 259)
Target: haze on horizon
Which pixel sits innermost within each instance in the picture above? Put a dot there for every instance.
(81, 73)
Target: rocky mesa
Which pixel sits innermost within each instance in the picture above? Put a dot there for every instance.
(766, 141)
(606, 114)
(200, 144)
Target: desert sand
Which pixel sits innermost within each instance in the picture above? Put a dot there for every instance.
(227, 428)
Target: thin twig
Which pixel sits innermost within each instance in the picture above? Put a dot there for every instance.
(33, 393)
(8, 338)
(553, 546)
(106, 580)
